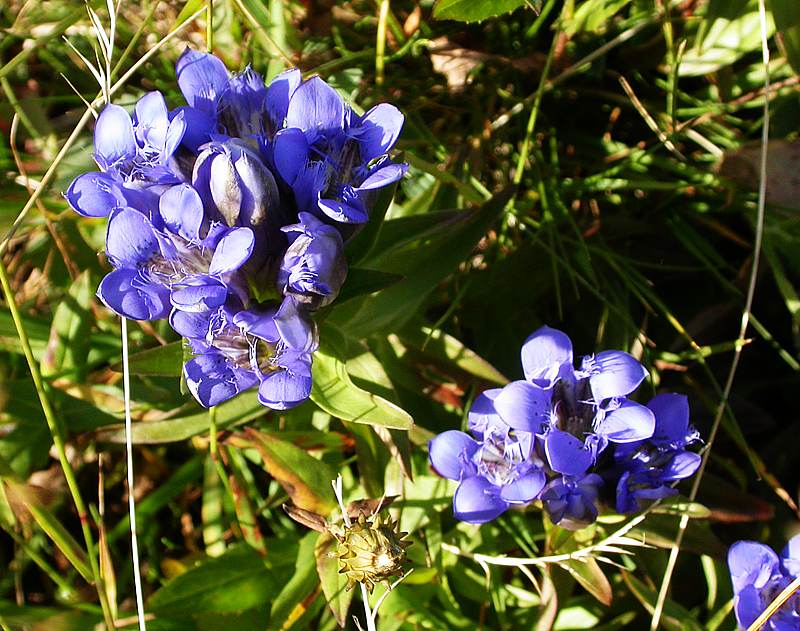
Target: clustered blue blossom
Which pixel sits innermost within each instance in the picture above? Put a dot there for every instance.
(566, 436)
(229, 217)
(758, 576)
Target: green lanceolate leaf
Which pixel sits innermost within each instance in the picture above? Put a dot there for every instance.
(365, 281)
(447, 349)
(306, 479)
(424, 253)
(242, 408)
(237, 581)
(161, 361)
(69, 340)
(333, 583)
(474, 10)
(590, 575)
(336, 394)
(23, 497)
(296, 600)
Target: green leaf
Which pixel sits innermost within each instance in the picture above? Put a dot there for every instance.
(68, 343)
(474, 10)
(733, 32)
(161, 361)
(22, 495)
(365, 281)
(424, 254)
(294, 603)
(242, 408)
(333, 583)
(447, 349)
(682, 506)
(335, 393)
(236, 581)
(306, 479)
(589, 574)
(787, 21)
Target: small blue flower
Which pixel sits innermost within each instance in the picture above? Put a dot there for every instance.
(570, 501)
(758, 576)
(650, 467)
(313, 268)
(237, 349)
(494, 472)
(173, 259)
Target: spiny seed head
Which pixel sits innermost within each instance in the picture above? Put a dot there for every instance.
(371, 551)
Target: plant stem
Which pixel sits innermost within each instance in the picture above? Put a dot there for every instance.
(209, 25)
(137, 575)
(58, 442)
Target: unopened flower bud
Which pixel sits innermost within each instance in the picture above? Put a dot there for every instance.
(371, 551)
(232, 178)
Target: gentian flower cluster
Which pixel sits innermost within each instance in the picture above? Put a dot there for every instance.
(566, 436)
(229, 217)
(758, 576)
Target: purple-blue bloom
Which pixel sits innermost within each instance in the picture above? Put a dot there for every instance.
(494, 472)
(313, 268)
(649, 468)
(758, 576)
(554, 428)
(204, 229)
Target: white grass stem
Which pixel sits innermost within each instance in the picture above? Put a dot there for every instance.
(740, 342)
(137, 576)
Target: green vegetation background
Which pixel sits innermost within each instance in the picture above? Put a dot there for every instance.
(588, 164)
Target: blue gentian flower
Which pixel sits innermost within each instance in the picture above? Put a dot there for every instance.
(546, 438)
(650, 467)
(758, 576)
(332, 158)
(313, 268)
(571, 501)
(494, 472)
(576, 411)
(171, 259)
(237, 349)
(203, 228)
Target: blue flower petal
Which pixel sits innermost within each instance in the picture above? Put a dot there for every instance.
(201, 78)
(450, 452)
(212, 380)
(525, 489)
(181, 209)
(316, 107)
(566, 454)
(128, 294)
(613, 374)
(524, 406)
(476, 501)
(114, 140)
(672, 418)
(281, 390)
(279, 93)
(751, 563)
(95, 194)
(200, 297)
(682, 465)
(384, 176)
(131, 240)
(232, 251)
(627, 423)
(545, 354)
(378, 130)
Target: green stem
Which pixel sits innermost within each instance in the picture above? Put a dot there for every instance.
(380, 44)
(526, 144)
(58, 442)
(209, 25)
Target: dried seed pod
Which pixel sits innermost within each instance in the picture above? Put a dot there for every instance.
(371, 551)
